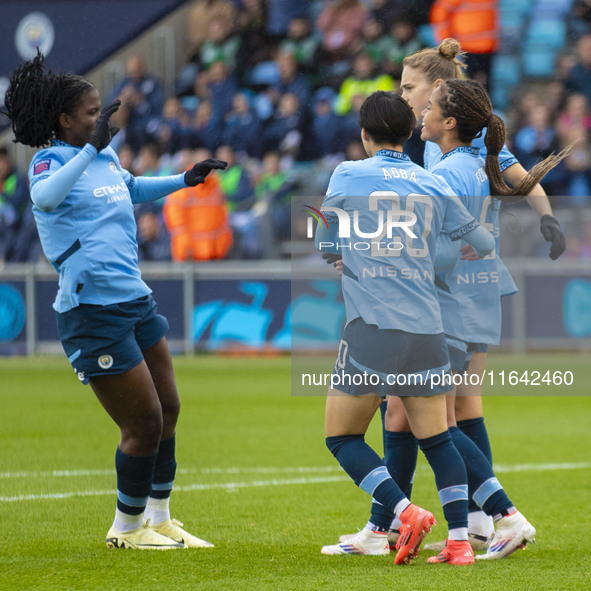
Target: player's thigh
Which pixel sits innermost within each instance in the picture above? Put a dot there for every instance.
(132, 402)
(160, 366)
(476, 366)
(349, 415)
(469, 397)
(426, 414)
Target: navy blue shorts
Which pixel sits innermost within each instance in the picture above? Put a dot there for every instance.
(389, 362)
(458, 353)
(102, 340)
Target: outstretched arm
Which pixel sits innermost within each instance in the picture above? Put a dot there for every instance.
(540, 203)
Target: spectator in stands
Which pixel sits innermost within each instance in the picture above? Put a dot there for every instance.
(355, 151)
(141, 100)
(152, 237)
(574, 125)
(340, 24)
(127, 158)
(301, 43)
(579, 78)
(221, 88)
(325, 124)
(537, 139)
(221, 45)
(403, 42)
(167, 130)
(275, 188)
(280, 14)
(474, 23)
(255, 46)
(375, 42)
(364, 80)
(283, 130)
(235, 181)
(149, 161)
(348, 124)
(201, 17)
(386, 12)
(579, 19)
(291, 80)
(197, 218)
(242, 127)
(14, 203)
(204, 130)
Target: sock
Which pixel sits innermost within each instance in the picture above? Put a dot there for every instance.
(157, 509)
(367, 470)
(134, 478)
(450, 478)
(480, 524)
(400, 457)
(483, 486)
(458, 533)
(475, 429)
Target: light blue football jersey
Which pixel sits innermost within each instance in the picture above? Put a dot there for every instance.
(90, 238)
(433, 154)
(388, 276)
(476, 286)
(432, 157)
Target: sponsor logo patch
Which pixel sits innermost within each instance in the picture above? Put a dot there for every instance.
(41, 166)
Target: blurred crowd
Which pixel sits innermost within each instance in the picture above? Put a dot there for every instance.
(274, 88)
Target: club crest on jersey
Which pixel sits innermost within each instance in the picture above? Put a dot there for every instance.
(41, 166)
(113, 166)
(105, 361)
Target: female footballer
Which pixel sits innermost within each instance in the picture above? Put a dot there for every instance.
(393, 323)
(107, 320)
(460, 110)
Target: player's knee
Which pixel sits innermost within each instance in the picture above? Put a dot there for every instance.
(145, 429)
(170, 414)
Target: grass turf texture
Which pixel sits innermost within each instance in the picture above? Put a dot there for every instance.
(240, 425)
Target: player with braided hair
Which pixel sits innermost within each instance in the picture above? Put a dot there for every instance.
(107, 320)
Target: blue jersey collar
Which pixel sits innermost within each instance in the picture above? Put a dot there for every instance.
(462, 149)
(392, 154)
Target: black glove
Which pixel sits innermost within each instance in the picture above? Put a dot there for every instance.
(103, 134)
(331, 258)
(551, 232)
(197, 174)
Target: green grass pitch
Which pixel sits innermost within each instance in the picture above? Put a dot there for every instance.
(256, 479)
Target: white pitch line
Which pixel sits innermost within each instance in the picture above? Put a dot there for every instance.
(110, 471)
(276, 482)
(188, 487)
(500, 468)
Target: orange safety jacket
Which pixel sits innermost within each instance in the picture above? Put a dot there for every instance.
(197, 220)
(472, 22)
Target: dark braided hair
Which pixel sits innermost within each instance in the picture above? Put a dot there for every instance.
(35, 99)
(468, 102)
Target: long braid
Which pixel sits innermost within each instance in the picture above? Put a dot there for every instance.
(468, 102)
(35, 99)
